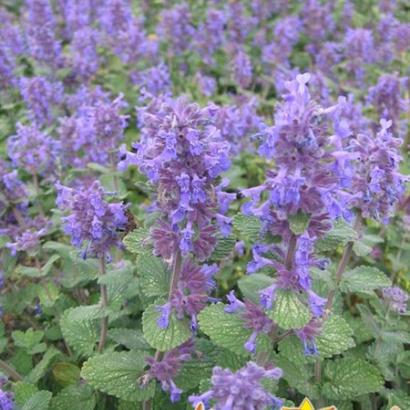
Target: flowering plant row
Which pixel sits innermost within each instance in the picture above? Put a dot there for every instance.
(204, 204)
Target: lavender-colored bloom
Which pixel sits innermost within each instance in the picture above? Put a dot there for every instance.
(329, 55)
(94, 133)
(242, 69)
(206, 84)
(359, 49)
(241, 390)
(239, 23)
(317, 19)
(12, 188)
(77, 15)
(11, 38)
(182, 153)
(92, 221)
(6, 400)
(41, 96)
(386, 96)
(175, 28)
(7, 66)
(42, 40)
(28, 241)
(401, 37)
(377, 183)
(154, 81)
(308, 335)
(238, 123)
(116, 16)
(168, 368)
(85, 59)
(209, 36)
(190, 294)
(396, 298)
(32, 150)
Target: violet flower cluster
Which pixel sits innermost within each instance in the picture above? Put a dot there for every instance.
(240, 390)
(182, 153)
(92, 223)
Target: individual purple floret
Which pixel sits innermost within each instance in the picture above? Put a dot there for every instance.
(32, 150)
(241, 390)
(41, 96)
(190, 295)
(242, 69)
(396, 298)
(377, 182)
(92, 221)
(166, 369)
(182, 153)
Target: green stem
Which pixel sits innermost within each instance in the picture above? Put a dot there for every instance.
(104, 304)
(12, 373)
(341, 267)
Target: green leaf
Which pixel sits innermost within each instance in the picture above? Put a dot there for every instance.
(130, 338)
(82, 395)
(152, 275)
(90, 312)
(39, 273)
(27, 340)
(23, 391)
(66, 373)
(226, 329)
(340, 235)
(298, 223)
(39, 401)
(248, 227)
(252, 284)
(224, 247)
(289, 312)
(43, 365)
(364, 279)
(177, 332)
(117, 374)
(335, 337)
(138, 241)
(48, 294)
(81, 335)
(350, 377)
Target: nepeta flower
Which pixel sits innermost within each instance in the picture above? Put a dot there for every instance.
(116, 16)
(396, 298)
(210, 36)
(206, 84)
(6, 400)
(85, 59)
(386, 96)
(154, 81)
(242, 69)
(377, 181)
(32, 150)
(190, 294)
(182, 153)
(12, 188)
(359, 49)
(308, 336)
(42, 40)
(241, 390)
(77, 15)
(239, 23)
(41, 96)
(7, 66)
(317, 19)
(92, 220)
(168, 368)
(27, 241)
(175, 28)
(254, 319)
